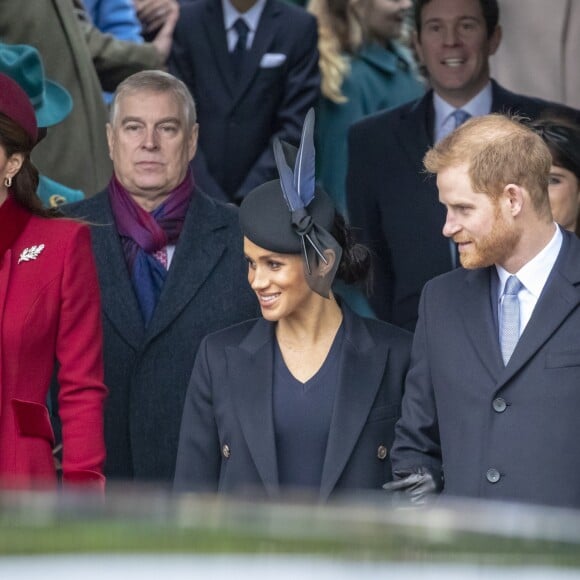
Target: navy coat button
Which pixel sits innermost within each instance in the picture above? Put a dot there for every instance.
(499, 405)
(382, 452)
(226, 451)
(493, 475)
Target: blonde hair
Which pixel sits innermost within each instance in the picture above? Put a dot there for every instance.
(499, 150)
(339, 31)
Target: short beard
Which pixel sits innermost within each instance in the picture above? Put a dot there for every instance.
(495, 247)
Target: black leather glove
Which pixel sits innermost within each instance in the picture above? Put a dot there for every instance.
(414, 484)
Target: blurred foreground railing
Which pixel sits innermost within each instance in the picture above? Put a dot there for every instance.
(149, 520)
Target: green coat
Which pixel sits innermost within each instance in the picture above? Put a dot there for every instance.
(379, 78)
(75, 152)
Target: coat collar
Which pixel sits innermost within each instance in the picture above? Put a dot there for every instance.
(196, 255)
(361, 370)
(560, 297)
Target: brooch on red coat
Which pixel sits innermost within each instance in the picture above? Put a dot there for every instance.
(30, 253)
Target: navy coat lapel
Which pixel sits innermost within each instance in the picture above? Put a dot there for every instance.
(362, 367)
(265, 33)
(118, 297)
(251, 389)
(560, 297)
(418, 122)
(196, 255)
(217, 38)
(477, 315)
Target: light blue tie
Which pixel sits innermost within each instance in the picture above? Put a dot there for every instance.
(460, 116)
(509, 332)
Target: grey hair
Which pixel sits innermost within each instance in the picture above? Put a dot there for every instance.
(156, 81)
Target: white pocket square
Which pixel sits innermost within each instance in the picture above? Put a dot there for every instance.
(272, 60)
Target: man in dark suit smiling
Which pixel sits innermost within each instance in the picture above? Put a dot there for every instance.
(252, 67)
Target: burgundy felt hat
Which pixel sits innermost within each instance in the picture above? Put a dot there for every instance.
(15, 104)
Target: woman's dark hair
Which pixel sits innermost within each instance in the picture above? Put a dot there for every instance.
(25, 183)
(355, 264)
(489, 8)
(562, 136)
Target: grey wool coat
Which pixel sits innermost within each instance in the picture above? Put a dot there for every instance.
(147, 369)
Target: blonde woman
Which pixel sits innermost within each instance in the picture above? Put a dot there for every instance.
(364, 69)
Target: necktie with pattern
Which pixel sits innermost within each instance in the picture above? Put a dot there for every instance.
(509, 333)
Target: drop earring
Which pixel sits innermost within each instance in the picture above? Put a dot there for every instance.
(8, 181)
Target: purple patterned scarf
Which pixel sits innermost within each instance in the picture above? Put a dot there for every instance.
(143, 233)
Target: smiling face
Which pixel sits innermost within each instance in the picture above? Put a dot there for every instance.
(384, 19)
(150, 145)
(480, 226)
(278, 281)
(564, 191)
(455, 47)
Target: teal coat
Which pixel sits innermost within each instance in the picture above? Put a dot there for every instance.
(380, 78)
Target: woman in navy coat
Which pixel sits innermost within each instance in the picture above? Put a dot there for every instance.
(304, 399)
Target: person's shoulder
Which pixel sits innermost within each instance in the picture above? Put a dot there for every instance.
(222, 211)
(292, 11)
(508, 102)
(381, 332)
(383, 122)
(386, 332)
(87, 209)
(232, 335)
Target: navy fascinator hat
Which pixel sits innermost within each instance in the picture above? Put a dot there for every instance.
(291, 215)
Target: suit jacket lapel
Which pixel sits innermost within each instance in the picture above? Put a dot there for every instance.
(196, 255)
(560, 297)
(251, 387)
(118, 297)
(217, 38)
(361, 370)
(477, 315)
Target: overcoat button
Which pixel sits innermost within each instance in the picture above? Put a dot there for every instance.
(493, 475)
(226, 451)
(381, 452)
(499, 405)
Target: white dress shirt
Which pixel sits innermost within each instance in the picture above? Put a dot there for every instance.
(251, 17)
(444, 121)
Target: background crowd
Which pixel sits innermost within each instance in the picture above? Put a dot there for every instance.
(152, 122)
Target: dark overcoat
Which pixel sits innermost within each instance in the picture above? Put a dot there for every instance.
(497, 432)
(147, 369)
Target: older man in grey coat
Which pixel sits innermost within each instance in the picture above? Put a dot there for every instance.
(171, 270)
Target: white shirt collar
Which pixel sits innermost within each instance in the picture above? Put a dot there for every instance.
(478, 106)
(534, 274)
(251, 17)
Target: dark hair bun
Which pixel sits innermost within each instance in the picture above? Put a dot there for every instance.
(355, 263)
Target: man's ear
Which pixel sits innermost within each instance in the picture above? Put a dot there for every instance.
(513, 196)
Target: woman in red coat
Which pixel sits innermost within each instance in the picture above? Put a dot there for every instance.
(49, 311)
